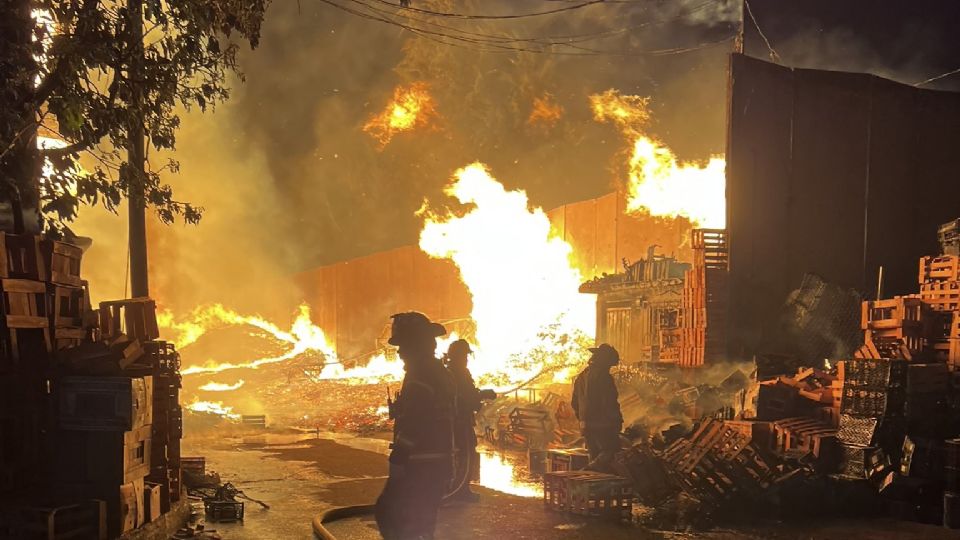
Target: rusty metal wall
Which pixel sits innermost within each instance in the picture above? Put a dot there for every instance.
(353, 300)
(832, 173)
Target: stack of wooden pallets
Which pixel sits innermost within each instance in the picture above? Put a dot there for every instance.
(940, 292)
(895, 328)
(88, 398)
(703, 309)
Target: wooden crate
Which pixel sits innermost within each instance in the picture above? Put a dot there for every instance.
(135, 318)
(941, 295)
(911, 338)
(194, 465)
(588, 493)
(105, 403)
(23, 258)
(69, 306)
(891, 314)
(25, 303)
(24, 347)
(162, 357)
(62, 261)
(946, 350)
(942, 268)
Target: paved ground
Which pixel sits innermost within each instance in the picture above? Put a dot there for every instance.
(300, 477)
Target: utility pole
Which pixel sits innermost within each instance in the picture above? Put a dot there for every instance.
(136, 158)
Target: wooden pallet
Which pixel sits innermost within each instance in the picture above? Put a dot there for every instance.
(947, 350)
(942, 268)
(911, 338)
(941, 296)
(898, 312)
(25, 303)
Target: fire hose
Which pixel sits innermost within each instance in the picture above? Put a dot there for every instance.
(346, 512)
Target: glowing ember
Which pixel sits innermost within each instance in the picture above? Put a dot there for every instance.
(546, 111)
(498, 474)
(412, 107)
(221, 387)
(518, 272)
(658, 183)
(213, 407)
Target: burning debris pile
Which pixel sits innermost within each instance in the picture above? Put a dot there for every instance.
(876, 431)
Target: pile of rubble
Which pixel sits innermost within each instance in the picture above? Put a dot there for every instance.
(879, 429)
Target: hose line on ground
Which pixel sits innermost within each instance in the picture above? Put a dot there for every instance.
(347, 512)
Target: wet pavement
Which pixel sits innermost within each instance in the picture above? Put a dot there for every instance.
(301, 476)
(296, 489)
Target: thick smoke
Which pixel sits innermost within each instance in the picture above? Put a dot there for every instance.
(290, 180)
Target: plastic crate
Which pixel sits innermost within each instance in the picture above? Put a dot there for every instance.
(859, 462)
(871, 373)
(217, 510)
(572, 459)
(588, 493)
(865, 401)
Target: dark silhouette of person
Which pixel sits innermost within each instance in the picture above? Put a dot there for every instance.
(421, 459)
(596, 406)
(469, 401)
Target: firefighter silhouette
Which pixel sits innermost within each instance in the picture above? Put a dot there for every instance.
(421, 459)
(469, 401)
(596, 406)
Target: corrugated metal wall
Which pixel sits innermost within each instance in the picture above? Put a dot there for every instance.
(353, 300)
(831, 173)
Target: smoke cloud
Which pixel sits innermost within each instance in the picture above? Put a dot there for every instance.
(290, 180)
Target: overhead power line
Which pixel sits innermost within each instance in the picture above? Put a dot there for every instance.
(569, 45)
(488, 17)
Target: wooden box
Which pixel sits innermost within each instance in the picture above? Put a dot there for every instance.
(105, 403)
(135, 318)
(62, 261)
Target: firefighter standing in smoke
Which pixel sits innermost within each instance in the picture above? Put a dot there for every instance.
(421, 460)
(596, 406)
(469, 400)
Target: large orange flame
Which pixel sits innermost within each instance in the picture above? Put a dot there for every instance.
(658, 183)
(213, 407)
(520, 275)
(303, 336)
(221, 387)
(412, 107)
